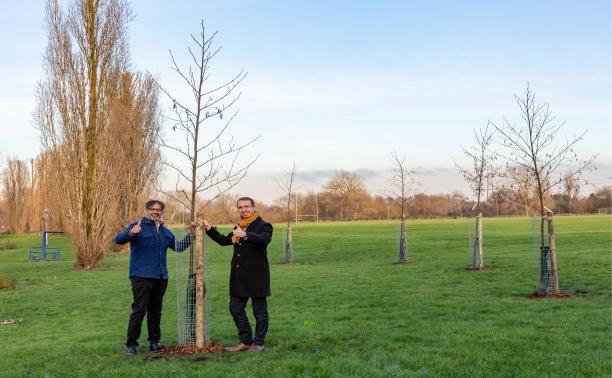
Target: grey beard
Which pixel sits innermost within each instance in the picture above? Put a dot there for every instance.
(157, 221)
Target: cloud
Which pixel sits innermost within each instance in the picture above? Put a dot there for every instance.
(434, 171)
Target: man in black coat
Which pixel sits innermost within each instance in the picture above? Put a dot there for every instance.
(249, 275)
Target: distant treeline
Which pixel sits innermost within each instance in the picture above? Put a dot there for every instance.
(326, 206)
(343, 198)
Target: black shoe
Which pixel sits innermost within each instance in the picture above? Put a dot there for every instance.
(132, 350)
(156, 346)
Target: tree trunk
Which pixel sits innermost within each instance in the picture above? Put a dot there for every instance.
(92, 122)
(542, 221)
(288, 246)
(480, 240)
(87, 260)
(477, 256)
(549, 281)
(200, 289)
(403, 244)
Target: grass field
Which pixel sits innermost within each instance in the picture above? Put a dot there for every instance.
(343, 309)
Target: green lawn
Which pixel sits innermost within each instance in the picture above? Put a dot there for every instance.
(343, 309)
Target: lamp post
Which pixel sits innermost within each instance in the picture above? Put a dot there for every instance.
(46, 221)
(43, 254)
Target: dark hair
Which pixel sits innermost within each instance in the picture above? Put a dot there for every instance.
(246, 199)
(152, 202)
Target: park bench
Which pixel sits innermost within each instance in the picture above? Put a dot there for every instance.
(44, 253)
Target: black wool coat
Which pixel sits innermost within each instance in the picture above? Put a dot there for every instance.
(250, 270)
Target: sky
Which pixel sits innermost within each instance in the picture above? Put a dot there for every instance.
(337, 85)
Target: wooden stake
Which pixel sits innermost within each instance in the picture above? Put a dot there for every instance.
(200, 289)
(479, 236)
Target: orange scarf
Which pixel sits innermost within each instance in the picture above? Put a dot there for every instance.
(244, 223)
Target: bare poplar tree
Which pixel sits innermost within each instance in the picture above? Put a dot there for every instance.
(534, 146)
(211, 164)
(134, 128)
(15, 185)
(85, 51)
(45, 208)
(286, 185)
(403, 182)
(32, 220)
(478, 177)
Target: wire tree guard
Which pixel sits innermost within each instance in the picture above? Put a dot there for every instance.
(186, 284)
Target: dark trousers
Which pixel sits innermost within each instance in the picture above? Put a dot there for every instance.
(148, 296)
(260, 310)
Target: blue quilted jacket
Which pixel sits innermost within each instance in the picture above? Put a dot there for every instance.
(149, 247)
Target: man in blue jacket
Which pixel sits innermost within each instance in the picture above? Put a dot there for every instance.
(149, 242)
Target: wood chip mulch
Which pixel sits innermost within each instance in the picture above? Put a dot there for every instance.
(407, 262)
(559, 295)
(187, 350)
(470, 269)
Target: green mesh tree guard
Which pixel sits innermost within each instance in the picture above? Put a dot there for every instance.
(545, 281)
(288, 258)
(544, 264)
(403, 244)
(476, 254)
(186, 294)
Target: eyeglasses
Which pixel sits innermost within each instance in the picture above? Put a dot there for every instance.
(155, 209)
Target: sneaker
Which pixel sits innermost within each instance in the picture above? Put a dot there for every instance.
(239, 348)
(156, 345)
(256, 348)
(132, 350)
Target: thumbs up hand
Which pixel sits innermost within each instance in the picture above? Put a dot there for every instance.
(239, 232)
(136, 229)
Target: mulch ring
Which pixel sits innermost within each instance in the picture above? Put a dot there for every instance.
(187, 350)
(559, 295)
(405, 262)
(469, 268)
